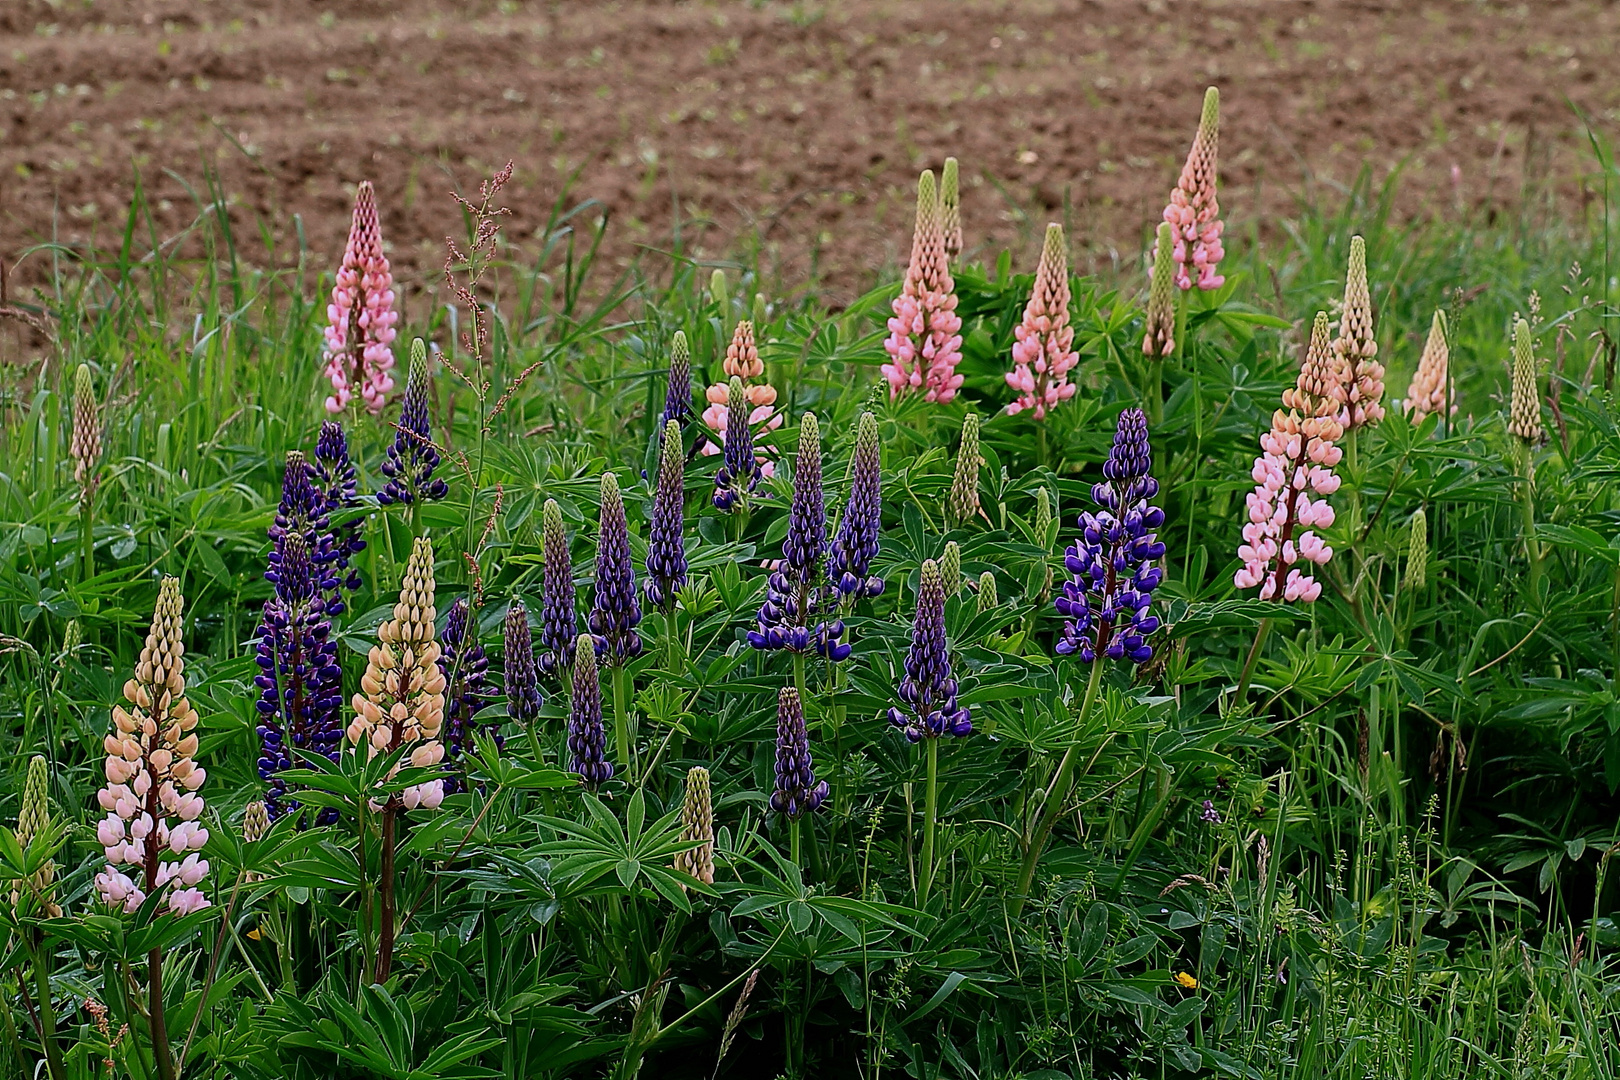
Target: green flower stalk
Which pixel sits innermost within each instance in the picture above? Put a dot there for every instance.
(987, 592)
(697, 827)
(950, 568)
(1417, 552)
(35, 819)
(964, 500)
(718, 291)
(1159, 337)
(950, 200)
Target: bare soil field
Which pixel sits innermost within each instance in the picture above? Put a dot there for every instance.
(799, 124)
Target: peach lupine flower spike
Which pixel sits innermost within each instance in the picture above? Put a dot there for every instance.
(1357, 347)
(742, 362)
(1194, 212)
(1043, 354)
(1428, 391)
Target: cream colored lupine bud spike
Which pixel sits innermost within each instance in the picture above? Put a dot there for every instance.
(950, 568)
(1417, 552)
(697, 826)
(1524, 409)
(1357, 349)
(85, 446)
(964, 502)
(758, 313)
(1320, 389)
(34, 820)
(255, 823)
(1159, 337)
(1043, 514)
(987, 591)
(1430, 383)
(718, 290)
(950, 199)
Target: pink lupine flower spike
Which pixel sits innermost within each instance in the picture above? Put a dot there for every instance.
(1193, 211)
(1043, 354)
(925, 340)
(361, 317)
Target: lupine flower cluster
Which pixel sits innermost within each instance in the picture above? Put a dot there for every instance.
(1159, 337)
(1430, 383)
(559, 617)
(1043, 354)
(1361, 375)
(1296, 463)
(411, 459)
(855, 545)
(334, 478)
(152, 778)
(361, 316)
(742, 364)
(666, 543)
(401, 699)
(796, 590)
(615, 613)
(678, 391)
(521, 679)
(925, 340)
(797, 792)
(740, 473)
(85, 445)
(1524, 406)
(1113, 566)
(587, 738)
(1193, 213)
(697, 827)
(465, 667)
(928, 687)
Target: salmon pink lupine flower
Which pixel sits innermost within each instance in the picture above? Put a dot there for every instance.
(360, 331)
(925, 342)
(1043, 354)
(1193, 211)
(1356, 348)
(1428, 391)
(1293, 477)
(742, 362)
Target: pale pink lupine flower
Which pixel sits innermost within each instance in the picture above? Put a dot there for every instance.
(361, 316)
(742, 361)
(1193, 212)
(1427, 394)
(1043, 354)
(925, 341)
(1357, 347)
(1293, 477)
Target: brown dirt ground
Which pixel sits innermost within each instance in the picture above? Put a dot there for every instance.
(800, 123)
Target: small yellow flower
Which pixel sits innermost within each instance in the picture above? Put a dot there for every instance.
(1186, 981)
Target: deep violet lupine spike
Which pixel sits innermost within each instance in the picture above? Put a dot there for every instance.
(587, 739)
(615, 614)
(849, 565)
(410, 461)
(666, 546)
(301, 511)
(797, 790)
(678, 392)
(795, 590)
(559, 615)
(1107, 600)
(739, 473)
(465, 667)
(928, 687)
(521, 679)
(334, 478)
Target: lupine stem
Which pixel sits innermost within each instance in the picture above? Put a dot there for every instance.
(930, 816)
(87, 538)
(385, 874)
(162, 1056)
(1260, 633)
(793, 844)
(798, 675)
(621, 719)
(47, 1015)
(1057, 792)
(1527, 504)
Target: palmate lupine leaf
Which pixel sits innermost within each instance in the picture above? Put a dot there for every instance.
(634, 851)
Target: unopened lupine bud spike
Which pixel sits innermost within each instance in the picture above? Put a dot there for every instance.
(928, 687)
(412, 457)
(616, 612)
(1194, 212)
(718, 290)
(361, 317)
(559, 616)
(950, 201)
(587, 738)
(678, 391)
(1043, 513)
(666, 544)
(34, 820)
(1159, 338)
(697, 826)
(987, 592)
(1417, 552)
(950, 568)
(255, 823)
(925, 340)
(85, 445)
(1043, 350)
(1431, 382)
(1524, 407)
(759, 311)
(1356, 346)
(964, 500)
(797, 790)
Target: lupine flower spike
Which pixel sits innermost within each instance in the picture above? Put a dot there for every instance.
(928, 688)
(401, 698)
(1193, 213)
(742, 363)
(666, 545)
(1293, 477)
(151, 795)
(964, 501)
(559, 617)
(334, 479)
(1113, 566)
(1524, 407)
(85, 445)
(615, 613)
(739, 474)
(797, 790)
(678, 392)
(1356, 348)
(950, 568)
(411, 459)
(521, 680)
(950, 203)
(34, 820)
(987, 592)
(1160, 337)
(1417, 552)
(1429, 388)
(465, 667)
(361, 317)
(587, 738)
(925, 342)
(856, 544)
(795, 590)
(697, 826)
(1043, 354)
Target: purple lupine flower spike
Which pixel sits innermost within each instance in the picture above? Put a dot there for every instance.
(1112, 566)
(739, 473)
(666, 547)
(615, 613)
(465, 667)
(678, 393)
(559, 618)
(335, 479)
(301, 511)
(587, 739)
(521, 679)
(849, 566)
(796, 588)
(300, 681)
(797, 790)
(411, 459)
(928, 687)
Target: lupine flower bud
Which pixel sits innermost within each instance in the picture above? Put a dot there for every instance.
(521, 679)
(255, 823)
(1043, 512)
(697, 826)
(950, 568)
(950, 203)
(1160, 336)
(1356, 347)
(987, 592)
(1428, 391)
(34, 820)
(760, 309)
(334, 479)
(1417, 552)
(559, 617)
(718, 291)
(1193, 211)
(928, 688)
(740, 473)
(153, 809)
(1043, 354)
(678, 392)
(587, 739)
(856, 544)
(795, 590)
(964, 504)
(925, 340)
(1524, 407)
(85, 445)
(401, 698)
(797, 790)
(615, 613)
(1108, 598)
(1296, 462)
(465, 667)
(742, 362)
(411, 459)
(361, 317)
(666, 545)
